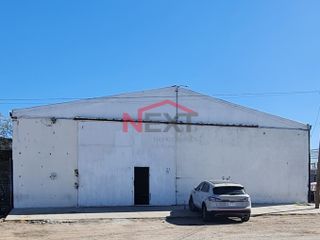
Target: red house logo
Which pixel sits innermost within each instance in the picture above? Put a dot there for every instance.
(169, 120)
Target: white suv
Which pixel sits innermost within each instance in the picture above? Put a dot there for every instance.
(221, 198)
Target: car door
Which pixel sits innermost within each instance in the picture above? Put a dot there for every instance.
(196, 195)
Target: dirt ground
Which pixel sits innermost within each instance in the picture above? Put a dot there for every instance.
(263, 227)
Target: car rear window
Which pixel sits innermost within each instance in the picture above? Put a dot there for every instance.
(230, 190)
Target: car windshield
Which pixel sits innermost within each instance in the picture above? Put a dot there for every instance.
(229, 190)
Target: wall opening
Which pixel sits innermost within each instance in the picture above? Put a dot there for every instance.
(141, 186)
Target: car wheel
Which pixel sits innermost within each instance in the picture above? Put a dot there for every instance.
(192, 207)
(204, 213)
(245, 218)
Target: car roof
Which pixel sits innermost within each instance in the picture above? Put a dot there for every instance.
(224, 183)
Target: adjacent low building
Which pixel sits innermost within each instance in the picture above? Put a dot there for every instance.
(151, 148)
(5, 176)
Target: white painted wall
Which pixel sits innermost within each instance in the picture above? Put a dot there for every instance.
(107, 157)
(271, 163)
(41, 149)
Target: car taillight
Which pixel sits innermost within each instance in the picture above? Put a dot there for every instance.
(214, 199)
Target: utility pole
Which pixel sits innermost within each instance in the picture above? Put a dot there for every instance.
(177, 100)
(317, 197)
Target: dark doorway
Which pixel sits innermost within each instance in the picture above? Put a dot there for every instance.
(141, 185)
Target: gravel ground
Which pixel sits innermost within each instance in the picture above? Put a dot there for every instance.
(263, 227)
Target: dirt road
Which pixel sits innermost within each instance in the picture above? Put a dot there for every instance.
(264, 227)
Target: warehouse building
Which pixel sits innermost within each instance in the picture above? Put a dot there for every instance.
(151, 148)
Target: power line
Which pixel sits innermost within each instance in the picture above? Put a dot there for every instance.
(24, 103)
(316, 122)
(36, 99)
(252, 94)
(268, 93)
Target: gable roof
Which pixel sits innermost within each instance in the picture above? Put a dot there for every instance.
(209, 110)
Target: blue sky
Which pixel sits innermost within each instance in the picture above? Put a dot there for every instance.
(74, 49)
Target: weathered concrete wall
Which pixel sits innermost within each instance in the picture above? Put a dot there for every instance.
(107, 157)
(271, 163)
(44, 159)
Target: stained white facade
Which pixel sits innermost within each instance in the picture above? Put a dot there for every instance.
(77, 154)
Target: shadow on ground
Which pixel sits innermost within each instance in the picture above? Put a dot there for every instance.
(179, 215)
(197, 221)
(63, 210)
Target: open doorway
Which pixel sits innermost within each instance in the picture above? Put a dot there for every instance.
(141, 186)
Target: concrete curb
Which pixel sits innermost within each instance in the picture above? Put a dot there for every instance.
(60, 221)
(174, 212)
